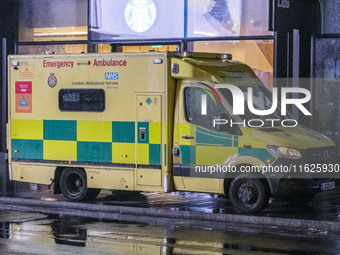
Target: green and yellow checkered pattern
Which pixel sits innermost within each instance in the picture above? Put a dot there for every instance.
(86, 141)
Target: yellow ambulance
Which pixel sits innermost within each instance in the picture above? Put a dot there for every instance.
(154, 121)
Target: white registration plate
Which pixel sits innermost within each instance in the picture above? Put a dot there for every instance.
(327, 185)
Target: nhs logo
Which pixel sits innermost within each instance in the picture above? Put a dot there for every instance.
(111, 76)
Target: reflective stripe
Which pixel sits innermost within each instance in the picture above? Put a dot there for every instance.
(86, 141)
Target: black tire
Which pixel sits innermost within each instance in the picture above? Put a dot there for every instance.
(73, 184)
(92, 194)
(248, 194)
(300, 199)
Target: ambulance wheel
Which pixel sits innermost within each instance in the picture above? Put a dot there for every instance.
(73, 184)
(248, 194)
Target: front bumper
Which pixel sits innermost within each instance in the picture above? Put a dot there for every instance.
(301, 180)
(300, 187)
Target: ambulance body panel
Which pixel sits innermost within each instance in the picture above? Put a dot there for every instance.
(133, 121)
(99, 140)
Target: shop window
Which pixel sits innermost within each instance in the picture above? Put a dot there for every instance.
(82, 100)
(258, 54)
(215, 18)
(330, 17)
(52, 20)
(326, 89)
(147, 48)
(104, 48)
(136, 20)
(52, 49)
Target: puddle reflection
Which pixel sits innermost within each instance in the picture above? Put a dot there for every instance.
(127, 238)
(67, 231)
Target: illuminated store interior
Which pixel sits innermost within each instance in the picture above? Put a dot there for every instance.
(103, 26)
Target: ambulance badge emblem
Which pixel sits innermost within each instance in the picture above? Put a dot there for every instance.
(52, 80)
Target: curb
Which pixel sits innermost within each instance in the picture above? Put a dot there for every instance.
(161, 216)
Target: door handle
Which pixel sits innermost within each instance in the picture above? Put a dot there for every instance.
(142, 135)
(187, 137)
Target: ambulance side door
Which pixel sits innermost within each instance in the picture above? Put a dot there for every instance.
(149, 142)
(203, 148)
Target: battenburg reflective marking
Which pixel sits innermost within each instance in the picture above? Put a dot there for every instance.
(85, 141)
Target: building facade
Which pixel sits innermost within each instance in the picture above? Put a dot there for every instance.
(276, 38)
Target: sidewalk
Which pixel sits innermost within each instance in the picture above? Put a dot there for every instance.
(177, 212)
(321, 214)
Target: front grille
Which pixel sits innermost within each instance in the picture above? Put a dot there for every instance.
(320, 155)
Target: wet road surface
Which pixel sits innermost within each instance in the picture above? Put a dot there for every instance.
(33, 233)
(325, 206)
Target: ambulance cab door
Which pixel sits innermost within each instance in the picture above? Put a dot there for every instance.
(149, 140)
(201, 145)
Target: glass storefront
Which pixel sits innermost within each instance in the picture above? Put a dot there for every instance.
(212, 25)
(216, 18)
(326, 88)
(147, 48)
(52, 49)
(52, 20)
(136, 20)
(106, 48)
(258, 54)
(330, 16)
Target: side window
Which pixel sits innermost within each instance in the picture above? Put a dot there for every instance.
(82, 100)
(203, 114)
(193, 108)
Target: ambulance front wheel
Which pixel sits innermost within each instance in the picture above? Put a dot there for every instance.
(73, 184)
(248, 194)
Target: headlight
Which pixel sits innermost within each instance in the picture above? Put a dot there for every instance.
(284, 152)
